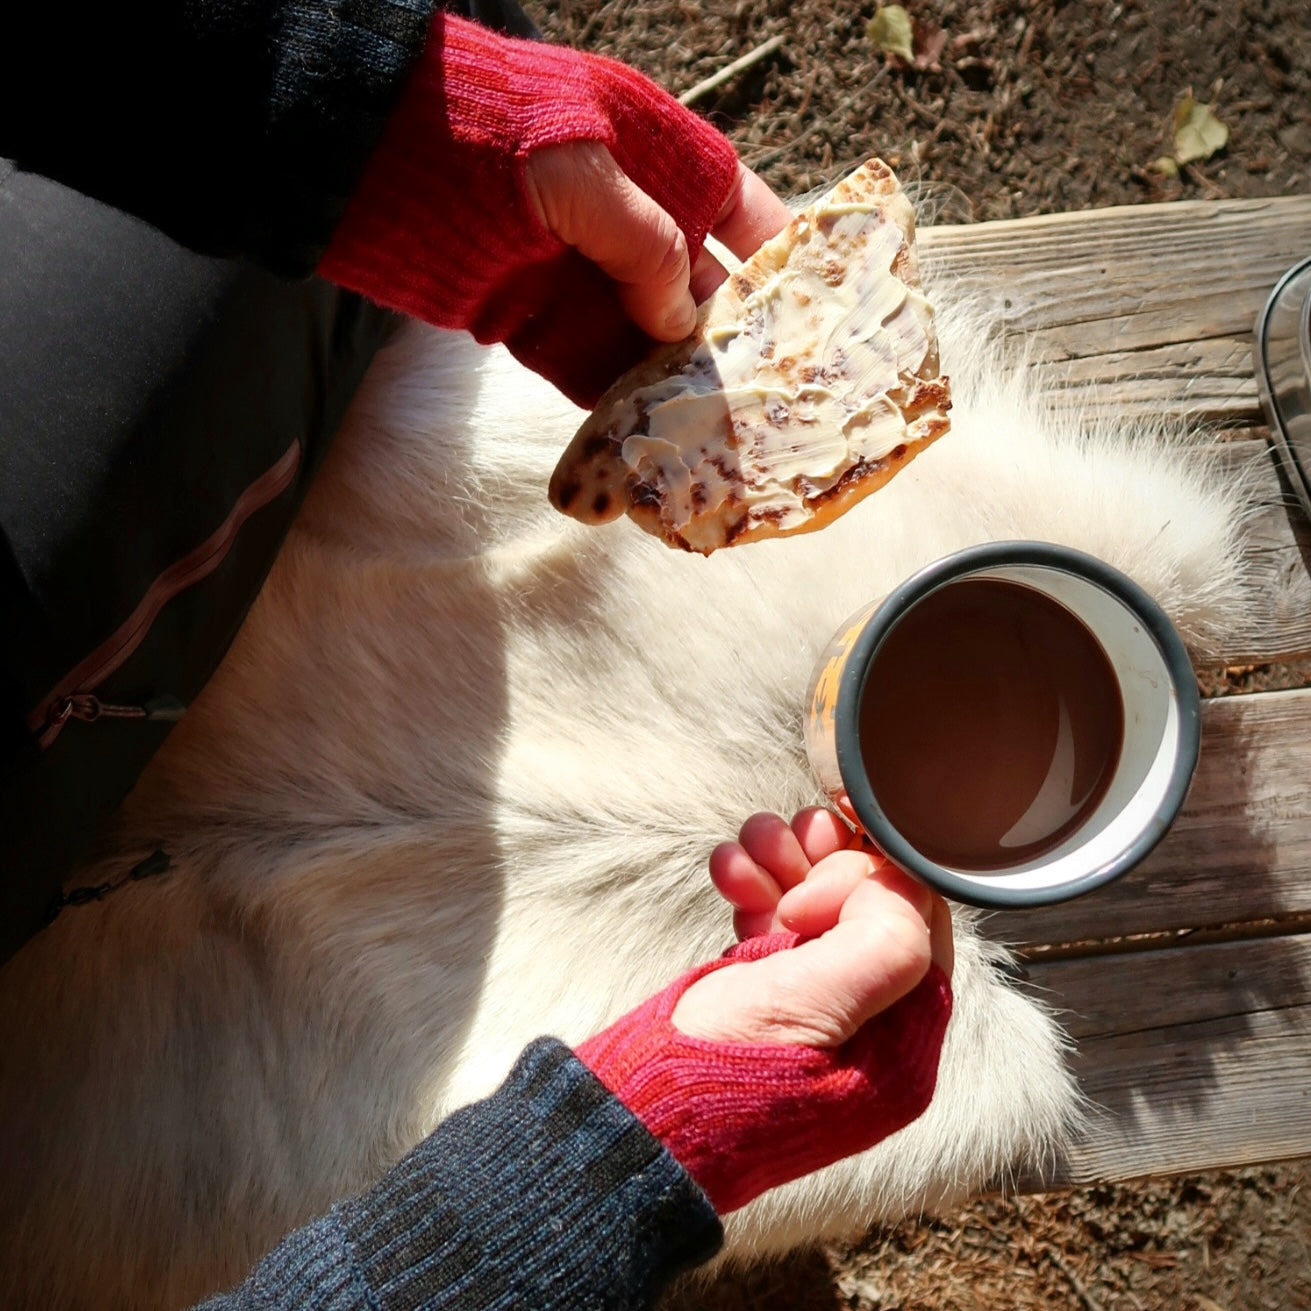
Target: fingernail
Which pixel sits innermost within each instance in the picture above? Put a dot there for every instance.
(683, 319)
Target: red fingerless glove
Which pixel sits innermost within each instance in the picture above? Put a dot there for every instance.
(743, 1118)
(441, 228)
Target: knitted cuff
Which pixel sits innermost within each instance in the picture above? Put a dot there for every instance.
(743, 1118)
(441, 227)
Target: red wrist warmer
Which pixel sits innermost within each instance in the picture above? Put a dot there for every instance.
(745, 1118)
(440, 226)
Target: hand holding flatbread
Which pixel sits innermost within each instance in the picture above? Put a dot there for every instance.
(810, 380)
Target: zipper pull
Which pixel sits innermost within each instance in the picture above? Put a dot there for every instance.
(165, 708)
(88, 708)
(156, 863)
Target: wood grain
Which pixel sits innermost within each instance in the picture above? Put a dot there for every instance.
(1196, 1058)
(1150, 308)
(1148, 991)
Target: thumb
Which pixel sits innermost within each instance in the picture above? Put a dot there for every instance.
(584, 198)
(820, 992)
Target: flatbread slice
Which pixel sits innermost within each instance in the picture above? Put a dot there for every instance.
(810, 380)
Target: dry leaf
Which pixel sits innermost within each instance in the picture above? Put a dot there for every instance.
(1205, 1303)
(1198, 134)
(893, 32)
(1165, 166)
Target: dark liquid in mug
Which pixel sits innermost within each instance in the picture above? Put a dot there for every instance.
(991, 724)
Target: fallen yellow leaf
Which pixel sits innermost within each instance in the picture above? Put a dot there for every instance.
(892, 30)
(1198, 134)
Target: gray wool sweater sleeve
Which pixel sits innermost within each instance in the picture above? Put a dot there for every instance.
(548, 1195)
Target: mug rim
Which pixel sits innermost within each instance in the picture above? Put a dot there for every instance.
(975, 559)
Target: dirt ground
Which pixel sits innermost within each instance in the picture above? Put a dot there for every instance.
(1020, 109)
(1008, 109)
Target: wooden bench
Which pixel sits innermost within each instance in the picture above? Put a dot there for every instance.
(1187, 985)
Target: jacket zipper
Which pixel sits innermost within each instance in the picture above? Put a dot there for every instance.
(88, 708)
(73, 697)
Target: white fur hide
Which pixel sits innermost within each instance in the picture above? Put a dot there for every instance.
(455, 786)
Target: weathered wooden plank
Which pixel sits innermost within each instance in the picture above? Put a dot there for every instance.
(1150, 307)
(1239, 852)
(1131, 276)
(1207, 381)
(1196, 1058)
(1184, 984)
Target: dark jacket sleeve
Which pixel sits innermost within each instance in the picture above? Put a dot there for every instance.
(239, 127)
(548, 1195)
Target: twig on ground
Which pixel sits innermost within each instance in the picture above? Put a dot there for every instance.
(808, 92)
(598, 24)
(1090, 1303)
(1210, 189)
(729, 71)
(757, 162)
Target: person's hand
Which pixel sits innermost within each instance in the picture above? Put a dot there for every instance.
(584, 198)
(549, 200)
(771, 857)
(791, 1052)
(872, 932)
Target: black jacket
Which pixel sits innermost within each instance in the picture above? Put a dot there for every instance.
(236, 126)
